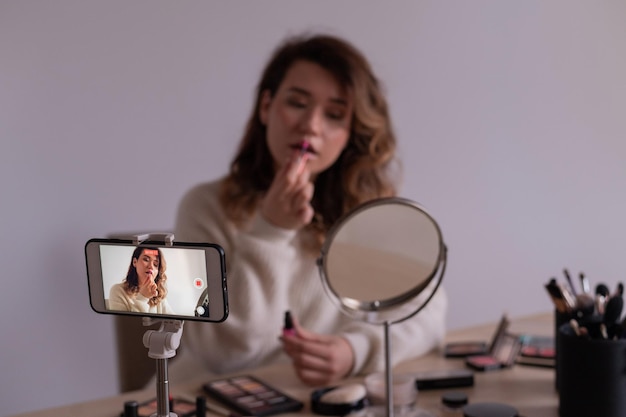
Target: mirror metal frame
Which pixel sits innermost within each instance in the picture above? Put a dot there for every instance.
(351, 305)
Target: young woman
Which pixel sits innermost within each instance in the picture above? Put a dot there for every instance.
(143, 289)
(318, 143)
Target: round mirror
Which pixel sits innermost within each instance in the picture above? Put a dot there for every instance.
(383, 261)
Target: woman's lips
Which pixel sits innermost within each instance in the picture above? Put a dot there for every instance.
(303, 147)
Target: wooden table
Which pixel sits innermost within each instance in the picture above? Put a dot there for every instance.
(529, 389)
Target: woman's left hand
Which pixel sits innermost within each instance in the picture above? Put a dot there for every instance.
(318, 359)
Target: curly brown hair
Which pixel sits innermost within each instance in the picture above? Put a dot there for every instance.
(362, 172)
(131, 282)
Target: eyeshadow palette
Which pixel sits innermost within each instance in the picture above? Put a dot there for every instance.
(537, 351)
(182, 407)
(250, 396)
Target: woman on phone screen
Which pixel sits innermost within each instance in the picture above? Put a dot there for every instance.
(143, 290)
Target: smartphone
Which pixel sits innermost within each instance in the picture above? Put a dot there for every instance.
(177, 280)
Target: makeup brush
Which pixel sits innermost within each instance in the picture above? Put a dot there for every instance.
(584, 283)
(557, 297)
(613, 309)
(585, 303)
(575, 327)
(603, 290)
(612, 314)
(570, 282)
(602, 295)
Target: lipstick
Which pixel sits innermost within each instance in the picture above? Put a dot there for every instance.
(302, 155)
(288, 329)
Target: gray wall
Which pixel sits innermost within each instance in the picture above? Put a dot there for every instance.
(510, 117)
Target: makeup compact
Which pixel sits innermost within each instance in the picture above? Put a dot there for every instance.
(339, 400)
(463, 349)
(250, 396)
(503, 351)
(444, 378)
(474, 347)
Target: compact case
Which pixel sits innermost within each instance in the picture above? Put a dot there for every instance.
(446, 378)
(339, 400)
(473, 347)
(463, 349)
(503, 351)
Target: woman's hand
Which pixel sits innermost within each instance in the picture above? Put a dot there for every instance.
(318, 359)
(148, 289)
(287, 203)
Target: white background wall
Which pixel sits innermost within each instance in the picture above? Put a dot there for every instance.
(510, 117)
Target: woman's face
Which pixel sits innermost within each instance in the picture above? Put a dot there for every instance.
(310, 105)
(147, 266)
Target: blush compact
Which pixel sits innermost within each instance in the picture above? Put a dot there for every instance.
(503, 351)
(467, 348)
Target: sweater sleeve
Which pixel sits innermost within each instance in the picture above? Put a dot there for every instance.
(118, 300)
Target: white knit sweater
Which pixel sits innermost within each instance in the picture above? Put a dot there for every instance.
(268, 272)
(119, 299)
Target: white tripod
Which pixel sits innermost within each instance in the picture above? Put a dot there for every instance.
(162, 345)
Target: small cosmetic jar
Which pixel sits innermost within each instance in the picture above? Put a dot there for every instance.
(403, 389)
(452, 404)
(339, 400)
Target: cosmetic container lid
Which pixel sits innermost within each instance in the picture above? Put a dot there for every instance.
(454, 399)
(130, 409)
(288, 322)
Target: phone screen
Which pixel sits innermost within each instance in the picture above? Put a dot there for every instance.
(185, 281)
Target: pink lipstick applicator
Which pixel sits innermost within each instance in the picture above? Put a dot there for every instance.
(302, 156)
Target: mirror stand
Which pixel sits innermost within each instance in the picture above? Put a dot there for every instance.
(394, 238)
(388, 370)
(439, 272)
